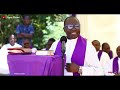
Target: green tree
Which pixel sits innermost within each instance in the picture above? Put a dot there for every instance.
(46, 26)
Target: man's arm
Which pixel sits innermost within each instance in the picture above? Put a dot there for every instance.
(92, 64)
(24, 35)
(19, 35)
(104, 61)
(109, 68)
(31, 33)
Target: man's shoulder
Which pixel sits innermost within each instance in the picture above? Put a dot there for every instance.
(89, 43)
(19, 25)
(104, 53)
(30, 26)
(5, 46)
(90, 47)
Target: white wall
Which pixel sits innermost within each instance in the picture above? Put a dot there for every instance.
(103, 27)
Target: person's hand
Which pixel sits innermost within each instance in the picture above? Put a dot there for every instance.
(117, 74)
(23, 34)
(72, 67)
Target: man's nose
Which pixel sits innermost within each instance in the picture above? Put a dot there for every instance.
(74, 28)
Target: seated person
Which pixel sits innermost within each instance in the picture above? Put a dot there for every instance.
(26, 44)
(49, 43)
(12, 44)
(4, 69)
(114, 64)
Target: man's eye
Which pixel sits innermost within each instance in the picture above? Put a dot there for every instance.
(70, 27)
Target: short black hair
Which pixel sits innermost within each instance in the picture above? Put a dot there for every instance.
(8, 37)
(117, 47)
(104, 44)
(52, 39)
(26, 15)
(95, 40)
(68, 18)
(13, 34)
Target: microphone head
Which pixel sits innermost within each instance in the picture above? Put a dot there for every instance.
(63, 38)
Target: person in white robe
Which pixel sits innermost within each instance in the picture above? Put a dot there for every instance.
(89, 64)
(102, 56)
(113, 67)
(4, 69)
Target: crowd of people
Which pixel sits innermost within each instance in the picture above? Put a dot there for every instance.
(83, 58)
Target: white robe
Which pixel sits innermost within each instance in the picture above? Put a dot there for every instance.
(104, 60)
(91, 66)
(4, 69)
(110, 67)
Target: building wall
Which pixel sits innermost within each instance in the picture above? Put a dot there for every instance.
(103, 27)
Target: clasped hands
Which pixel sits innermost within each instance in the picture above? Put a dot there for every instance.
(72, 67)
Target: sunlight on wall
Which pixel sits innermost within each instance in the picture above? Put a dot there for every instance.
(103, 27)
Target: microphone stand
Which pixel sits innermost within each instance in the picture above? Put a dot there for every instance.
(63, 62)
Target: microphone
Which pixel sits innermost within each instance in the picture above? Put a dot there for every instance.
(63, 40)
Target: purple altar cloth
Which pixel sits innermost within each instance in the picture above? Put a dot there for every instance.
(35, 65)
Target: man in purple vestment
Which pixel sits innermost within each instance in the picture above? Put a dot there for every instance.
(81, 57)
(114, 64)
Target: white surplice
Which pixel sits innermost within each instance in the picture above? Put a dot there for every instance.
(104, 60)
(92, 66)
(109, 68)
(4, 69)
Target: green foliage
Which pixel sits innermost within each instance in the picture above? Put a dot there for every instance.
(7, 26)
(46, 26)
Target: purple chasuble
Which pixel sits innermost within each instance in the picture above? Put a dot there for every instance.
(99, 54)
(110, 54)
(115, 65)
(78, 55)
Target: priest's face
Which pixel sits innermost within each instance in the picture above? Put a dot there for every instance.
(106, 48)
(96, 44)
(118, 51)
(72, 27)
(12, 40)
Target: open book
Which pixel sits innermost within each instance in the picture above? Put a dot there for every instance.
(19, 50)
(44, 52)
